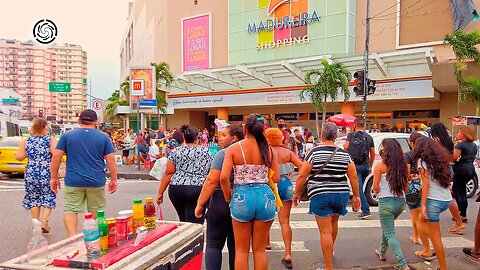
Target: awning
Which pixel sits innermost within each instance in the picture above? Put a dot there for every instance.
(291, 72)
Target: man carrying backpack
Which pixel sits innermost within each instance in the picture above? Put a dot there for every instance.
(361, 148)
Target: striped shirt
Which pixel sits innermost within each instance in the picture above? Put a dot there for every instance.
(333, 177)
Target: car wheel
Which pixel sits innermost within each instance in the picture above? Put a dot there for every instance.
(372, 196)
(472, 186)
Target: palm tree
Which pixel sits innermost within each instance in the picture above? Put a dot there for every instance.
(463, 46)
(325, 83)
(125, 87)
(471, 91)
(115, 101)
(162, 76)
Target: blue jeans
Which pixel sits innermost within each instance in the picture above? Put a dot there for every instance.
(390, 209)
(253, 201)
(363, 170)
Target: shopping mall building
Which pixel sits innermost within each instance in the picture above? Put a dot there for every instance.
(231, 58)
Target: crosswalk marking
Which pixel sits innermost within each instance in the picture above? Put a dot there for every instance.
(298, 246)
(455, 242)
(304, 210)
(344, 224)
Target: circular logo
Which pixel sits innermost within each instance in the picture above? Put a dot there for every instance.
(45, 31)
(97, 104)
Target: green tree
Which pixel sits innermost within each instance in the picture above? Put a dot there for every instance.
(463, 45)
(125, 88)
(163, 76)
(471, 92)
(115, 101)
(326, 83)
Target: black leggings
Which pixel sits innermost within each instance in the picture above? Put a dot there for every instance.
(462, 174)
(219, 230)
(184, 199)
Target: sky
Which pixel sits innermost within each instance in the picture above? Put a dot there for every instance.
(96, 25)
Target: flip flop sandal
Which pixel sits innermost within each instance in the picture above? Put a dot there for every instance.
(287, 264)
(426, 258)
(468, 252)
(380, 257)
(45, 228)
(415, 242)
(456, 231)
(268, 248)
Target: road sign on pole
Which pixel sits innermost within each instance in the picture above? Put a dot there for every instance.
(59, 87)
(97, 104)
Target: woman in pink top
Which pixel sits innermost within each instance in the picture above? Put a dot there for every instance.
(252, 203)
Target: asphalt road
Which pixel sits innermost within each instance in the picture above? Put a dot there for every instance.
(354, 248)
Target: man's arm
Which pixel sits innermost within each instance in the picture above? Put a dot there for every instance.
(112, 168)
(372, 156)
(54, 166)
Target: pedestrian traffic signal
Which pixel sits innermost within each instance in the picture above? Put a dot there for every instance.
(359, 83)
(40, 113)
(371, 86)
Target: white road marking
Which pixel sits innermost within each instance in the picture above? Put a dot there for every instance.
(304, 210)
(455, 242)
(344, 224)
(297, 246)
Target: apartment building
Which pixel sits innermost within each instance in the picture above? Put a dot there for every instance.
(27, 69)
(71, 67)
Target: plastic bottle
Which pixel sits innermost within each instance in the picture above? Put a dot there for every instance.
(149, 211)
(37, 249)
(103, 230)
(138, 215)
(91, 237)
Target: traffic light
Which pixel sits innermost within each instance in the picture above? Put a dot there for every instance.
(40, 113)
(371, 86)
(359, 87)
(76, 113)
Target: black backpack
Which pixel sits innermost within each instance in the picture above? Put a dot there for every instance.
(358, 148)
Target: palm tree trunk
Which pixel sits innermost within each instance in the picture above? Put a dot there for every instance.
(477, 110)
(316, 123)
(324, 116)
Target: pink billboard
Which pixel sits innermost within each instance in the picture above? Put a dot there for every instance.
(196, 33)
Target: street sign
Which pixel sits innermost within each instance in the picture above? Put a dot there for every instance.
(59, 87)
(97, 104)
(138, 88)
(148, 103)
(10, 101)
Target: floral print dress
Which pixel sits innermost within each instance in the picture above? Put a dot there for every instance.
(37, 174)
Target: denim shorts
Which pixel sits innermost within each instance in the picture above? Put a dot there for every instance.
(252, 201)
(329, 204)
(285, 189)
(434, 208)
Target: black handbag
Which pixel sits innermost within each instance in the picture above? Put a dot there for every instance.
(413, 198)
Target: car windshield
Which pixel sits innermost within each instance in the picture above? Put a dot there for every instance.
(404, 144)
(10, 143)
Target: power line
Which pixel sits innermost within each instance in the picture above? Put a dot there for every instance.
(406, 15)
(398, 11)
(394, 5)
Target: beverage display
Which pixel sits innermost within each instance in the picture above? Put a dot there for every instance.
(37, 249)
(129, 215)
(103, 230)
(91, 237)
(122, 228)
(112, 232)
(138, 215)
(149, 212)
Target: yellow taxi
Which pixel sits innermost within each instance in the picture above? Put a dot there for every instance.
(8, 162)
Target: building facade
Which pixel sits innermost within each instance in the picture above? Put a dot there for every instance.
(27, 69)
(231, 57)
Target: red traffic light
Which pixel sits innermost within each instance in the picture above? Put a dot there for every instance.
(40, 113)
(359, 82)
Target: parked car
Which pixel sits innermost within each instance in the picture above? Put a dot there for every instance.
(8, 163)
(402, 138)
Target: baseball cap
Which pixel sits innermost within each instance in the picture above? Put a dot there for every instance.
(88, 115)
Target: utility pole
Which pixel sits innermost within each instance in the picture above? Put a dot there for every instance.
(365, 58)
(89, 105)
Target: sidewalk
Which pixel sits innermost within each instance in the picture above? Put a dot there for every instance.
(132, 172)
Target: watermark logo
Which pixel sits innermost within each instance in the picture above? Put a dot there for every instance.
(45, 31)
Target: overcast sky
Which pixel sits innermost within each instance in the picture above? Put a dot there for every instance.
(96, 25)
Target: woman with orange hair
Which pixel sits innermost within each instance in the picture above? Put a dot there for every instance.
(285, 158)
(463, 156)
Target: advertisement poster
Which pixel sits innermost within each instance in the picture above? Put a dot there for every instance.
(147, 74)
(196, 38)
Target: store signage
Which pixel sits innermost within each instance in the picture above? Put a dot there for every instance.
(196, 40)
(137, 88)
(10, 101)
(420, 88)
(147, 75)
(148, 103)
(459, 121)
(284, 22)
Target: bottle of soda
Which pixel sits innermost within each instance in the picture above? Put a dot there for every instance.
(138, 215)
(103, 230)
(149, 212)
(91, 237)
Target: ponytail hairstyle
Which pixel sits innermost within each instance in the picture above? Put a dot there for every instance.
(256, 127)
(436, 158)
(396, 166)
(189, 133)
(440, 133)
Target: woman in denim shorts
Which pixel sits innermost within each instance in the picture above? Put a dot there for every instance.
(285, 188)
(433, 165)
(252, 203)
(328, 188)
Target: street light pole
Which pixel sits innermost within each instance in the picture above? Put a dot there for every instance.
(365, 57)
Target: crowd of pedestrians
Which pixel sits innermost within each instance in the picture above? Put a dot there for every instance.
(241, 189)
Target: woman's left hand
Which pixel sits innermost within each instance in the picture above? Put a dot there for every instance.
(199, 211)
(424, 212)
(296, 199)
